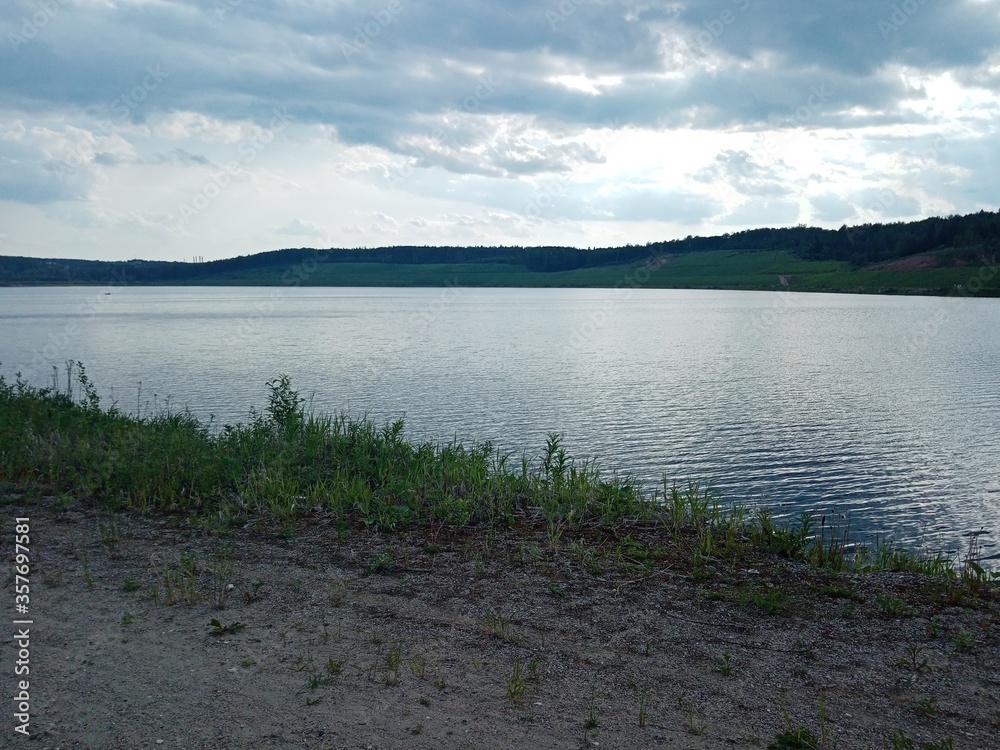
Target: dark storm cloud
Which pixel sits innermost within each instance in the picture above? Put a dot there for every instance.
(367, 68)
(499, 90)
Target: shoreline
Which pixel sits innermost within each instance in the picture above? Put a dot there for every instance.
(321, 582)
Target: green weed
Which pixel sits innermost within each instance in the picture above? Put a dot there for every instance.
(517, 684)
(221, 569)
(892, 606)
(217, 627)
(915, 660)
(899, 741)
(111, 538)
(592, 721)
(725, 665)
(962, 640)
(643, 704)
(393, 660)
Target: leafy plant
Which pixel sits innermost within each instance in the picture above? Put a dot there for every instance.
(915, 661)
(962, 640)
(217, 627)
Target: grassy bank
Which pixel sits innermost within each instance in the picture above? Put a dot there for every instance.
(284, 466)
(284, 576)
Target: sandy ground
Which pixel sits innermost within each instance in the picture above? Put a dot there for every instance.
(471, 640)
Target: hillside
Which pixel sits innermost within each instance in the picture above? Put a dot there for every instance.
(933, 256)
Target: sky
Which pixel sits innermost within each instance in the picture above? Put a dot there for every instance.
(176, 129)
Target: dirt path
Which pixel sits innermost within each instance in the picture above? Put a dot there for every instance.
(473, 641)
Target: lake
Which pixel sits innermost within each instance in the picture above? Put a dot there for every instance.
(886, 408)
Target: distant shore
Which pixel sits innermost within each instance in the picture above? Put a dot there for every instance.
(953, 255)
(761, 271)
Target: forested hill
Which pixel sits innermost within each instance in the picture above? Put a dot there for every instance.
(953, 241)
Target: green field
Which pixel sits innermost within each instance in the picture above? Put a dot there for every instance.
(760, 270)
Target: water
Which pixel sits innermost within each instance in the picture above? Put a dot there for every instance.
(884, 407)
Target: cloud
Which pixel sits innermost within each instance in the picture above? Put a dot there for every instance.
(299, 227)
(762, 212)
(181, 157)
(831, 208)
(484, 111)
(885, 203)
(739, 170)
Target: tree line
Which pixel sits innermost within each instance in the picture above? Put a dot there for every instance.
(862, 245)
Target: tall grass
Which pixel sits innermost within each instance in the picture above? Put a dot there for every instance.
(286, 464)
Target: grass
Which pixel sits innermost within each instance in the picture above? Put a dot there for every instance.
(892, 606)
(111, 539)
(592, 721)
(643, 705)
(962, 640)
(899, 741)
(284, 466)
(498, 625)
(180, 584)
(392, 660)
(725, 664)
(221, 569)
(517, 684)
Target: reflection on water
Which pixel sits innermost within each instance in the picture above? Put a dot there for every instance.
(886, 408)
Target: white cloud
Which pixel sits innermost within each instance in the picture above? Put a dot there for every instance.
(299, 227)
(617, 122)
